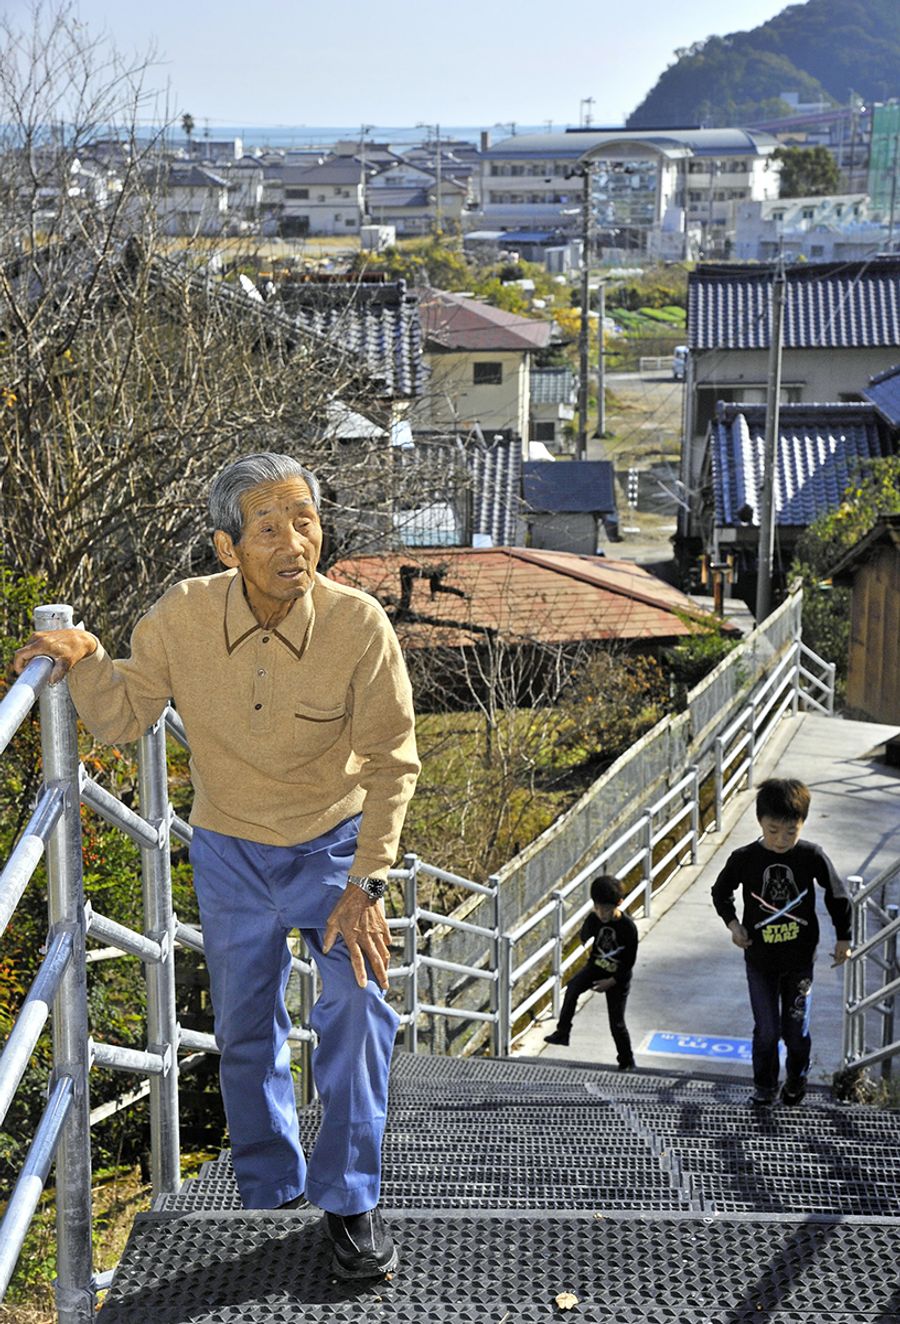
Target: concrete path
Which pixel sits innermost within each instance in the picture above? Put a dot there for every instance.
(689, 978)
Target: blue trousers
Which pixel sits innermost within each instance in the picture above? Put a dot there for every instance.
(781, 1001)
(251, 896)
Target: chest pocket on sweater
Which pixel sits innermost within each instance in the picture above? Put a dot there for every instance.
(317, 729)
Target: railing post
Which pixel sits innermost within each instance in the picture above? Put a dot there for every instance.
(159, 924)
(798, 658)
(498, 1038)
(751, 748)
(850, 1030)
(75, 1297)
(411, 950)
(307, 1002)
(648, 863)
(720, 781)
(557, 951)
(695, 813)
(831, 671)
(890, 973)
(504, 1019)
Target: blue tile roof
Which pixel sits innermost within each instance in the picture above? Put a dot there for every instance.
(884, 393)
(552, 386)
(569, 486)
(827, 305)
(818, 450)
(375, 327)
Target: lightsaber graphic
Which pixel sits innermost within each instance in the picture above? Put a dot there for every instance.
(770, 919)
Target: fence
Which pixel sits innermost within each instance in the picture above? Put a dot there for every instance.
(641, 819)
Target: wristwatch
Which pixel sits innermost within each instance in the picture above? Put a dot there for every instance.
(374, 888)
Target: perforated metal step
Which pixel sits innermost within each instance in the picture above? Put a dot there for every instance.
(275, 1268)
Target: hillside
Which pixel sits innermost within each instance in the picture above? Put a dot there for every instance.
(824, 48)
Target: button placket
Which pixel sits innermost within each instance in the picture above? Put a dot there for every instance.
(261, 687)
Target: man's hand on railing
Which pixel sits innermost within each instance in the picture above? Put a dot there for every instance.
(841, 952)
(362, 925)
(65, 647)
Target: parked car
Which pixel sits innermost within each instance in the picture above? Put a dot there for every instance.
(679, 362)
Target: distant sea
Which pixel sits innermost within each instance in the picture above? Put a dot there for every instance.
(316, 135)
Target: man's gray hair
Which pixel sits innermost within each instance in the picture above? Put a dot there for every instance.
(230, 484)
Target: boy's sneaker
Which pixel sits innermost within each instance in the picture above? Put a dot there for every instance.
(792, 1092)
(557, 1037)
(761, 1098)
(627, 1066)
(363, 1247)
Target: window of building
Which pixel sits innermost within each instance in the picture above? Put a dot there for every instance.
(543, 431)
(817, 250)
(808, 213)
(487, 374)
(296, 192)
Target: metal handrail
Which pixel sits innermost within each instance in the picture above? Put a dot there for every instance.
(873, 957)
(54, 829)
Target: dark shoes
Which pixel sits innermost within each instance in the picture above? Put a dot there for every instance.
(362, 1245)
(761, 1098)
(626, 1066)
(557, 1037)
(792, 1092)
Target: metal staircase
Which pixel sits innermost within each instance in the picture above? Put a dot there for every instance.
(650, 1199)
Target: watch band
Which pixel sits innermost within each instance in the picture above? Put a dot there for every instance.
(374, 888)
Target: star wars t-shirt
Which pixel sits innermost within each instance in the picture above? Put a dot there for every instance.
(615, 946)
(778, 893)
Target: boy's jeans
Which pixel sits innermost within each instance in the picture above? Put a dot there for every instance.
(616, 998)
(250, 897)
(781, 1001)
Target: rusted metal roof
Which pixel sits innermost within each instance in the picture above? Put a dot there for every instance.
(453, 596)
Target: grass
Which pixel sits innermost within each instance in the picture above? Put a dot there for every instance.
(118, 1195)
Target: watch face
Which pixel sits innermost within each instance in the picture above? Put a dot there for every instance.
(375, 888)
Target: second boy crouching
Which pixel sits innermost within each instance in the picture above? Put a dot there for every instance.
(608, 968)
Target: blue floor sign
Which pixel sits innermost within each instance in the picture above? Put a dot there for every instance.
(675, 1044)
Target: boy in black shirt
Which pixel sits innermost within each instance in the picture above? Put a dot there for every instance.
(779, 932)
(607, 969)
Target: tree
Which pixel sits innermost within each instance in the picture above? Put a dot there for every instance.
(808, 172)
(187, 123)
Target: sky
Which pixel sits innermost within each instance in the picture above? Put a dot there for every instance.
(402, 62)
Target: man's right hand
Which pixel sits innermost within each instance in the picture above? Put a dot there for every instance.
(65, 647)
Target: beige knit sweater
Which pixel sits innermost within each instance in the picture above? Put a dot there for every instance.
(292, 729)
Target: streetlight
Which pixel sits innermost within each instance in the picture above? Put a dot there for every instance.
(363, 130)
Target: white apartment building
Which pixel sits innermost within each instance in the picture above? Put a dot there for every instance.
(665, 192)
(836, 228)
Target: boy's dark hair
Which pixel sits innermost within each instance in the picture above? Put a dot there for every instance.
(783, 798)
(606, 890)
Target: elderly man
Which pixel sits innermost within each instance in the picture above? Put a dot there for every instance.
(296, 702)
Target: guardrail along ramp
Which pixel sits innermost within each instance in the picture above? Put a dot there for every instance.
(523, 1193)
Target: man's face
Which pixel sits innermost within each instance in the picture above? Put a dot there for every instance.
(279, 547)
(780, 834)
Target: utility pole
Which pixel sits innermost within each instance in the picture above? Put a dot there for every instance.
(601, 361)
(584, 330)
(770, 453)
(438, 216)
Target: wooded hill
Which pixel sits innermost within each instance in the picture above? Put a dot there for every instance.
(821, 49)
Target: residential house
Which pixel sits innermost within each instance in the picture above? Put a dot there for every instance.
(452, 598)
(871, 569)
(479, 363)
(554, 393)
(651, 190)
(570, 505)
(818, 229)
(191, 200)
(246, 180)
(841, 328)
(414, 200)
(820, 450)
(327, 198)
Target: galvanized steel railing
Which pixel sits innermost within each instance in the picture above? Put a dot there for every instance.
(872, 975)
(59, 991)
